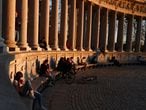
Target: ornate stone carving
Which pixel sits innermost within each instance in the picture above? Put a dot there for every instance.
(138, 6)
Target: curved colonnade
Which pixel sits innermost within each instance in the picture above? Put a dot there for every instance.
(84, 24)
(72, 28)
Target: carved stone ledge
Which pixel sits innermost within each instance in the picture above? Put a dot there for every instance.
(130, 6)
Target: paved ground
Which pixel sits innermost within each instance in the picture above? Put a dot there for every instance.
(112, 88)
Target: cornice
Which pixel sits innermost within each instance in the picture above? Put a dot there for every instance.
(135, 7)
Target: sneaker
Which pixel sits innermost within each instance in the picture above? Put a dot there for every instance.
(43, 108)
(50, 85)
(31, 94)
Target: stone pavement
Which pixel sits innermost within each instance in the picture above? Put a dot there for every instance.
(114, 88)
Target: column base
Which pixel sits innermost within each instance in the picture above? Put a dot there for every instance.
(88, 50)
(111, 51)
(36, 48)
(48, 48)
(80, 49)
(106, 50)
(73, 49)
(129, 51)
(120, 50)
(12, 49)
(65, 49)
(57, 49)
(25, 48)
(11, 46)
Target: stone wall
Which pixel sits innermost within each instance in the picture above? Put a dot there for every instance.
(0, 17)
(28, 63)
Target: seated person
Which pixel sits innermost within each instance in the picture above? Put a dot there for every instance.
(24, 88)
(45, 71)
(60, 66)
(64, 65)
(82, 61)
(140, 58)
(115, 61)
(44, 68)
(73, 64)
(93, 59)
(69, 64)
(43, 43)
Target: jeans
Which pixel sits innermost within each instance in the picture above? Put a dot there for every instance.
(26, 88)
(38, 98)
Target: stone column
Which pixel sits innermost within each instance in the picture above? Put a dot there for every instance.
(72, 19)
(10, 25)
(144, 50)
(111, 32)
(89, 27)
(120, 32)
(44, 21)
(0, 18)
(64, 23)
(2, 45)
(23, 33)
(80, 25)
(54, 26)
(33, 24)
(138, 34)
(96, 28)
(103, 30)
(129, 33)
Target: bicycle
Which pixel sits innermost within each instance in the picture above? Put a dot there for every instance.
(68, 76)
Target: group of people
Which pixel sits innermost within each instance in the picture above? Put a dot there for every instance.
(65, 65)
(46, 72)
(24, 88)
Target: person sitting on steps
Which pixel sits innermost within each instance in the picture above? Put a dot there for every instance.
(43, 44)
(45, 71)
(82, 61)
(115, 61)
(24, 88)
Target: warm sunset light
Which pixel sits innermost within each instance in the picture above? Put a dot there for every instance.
(72, 54)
